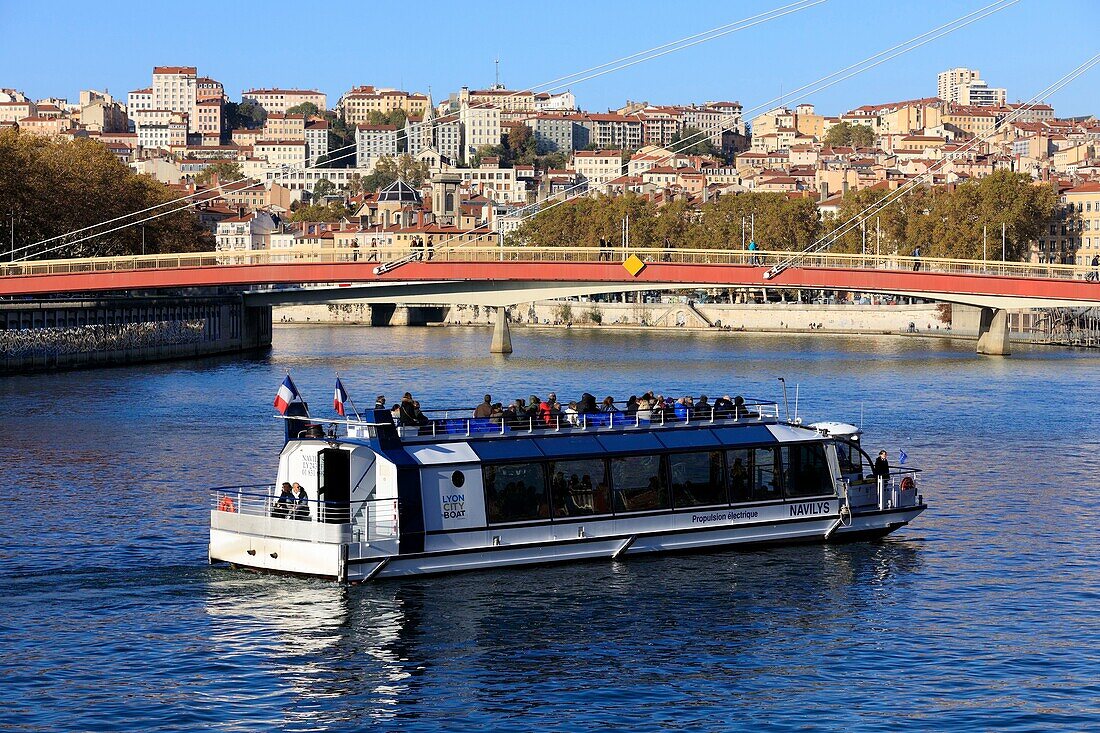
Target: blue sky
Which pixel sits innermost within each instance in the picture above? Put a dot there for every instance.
(56, 48)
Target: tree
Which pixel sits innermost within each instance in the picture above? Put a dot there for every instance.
(308, 109)
(248, 115)
(225, 170)
(323, 188)
(384, 173)
(412, 171)
(699, 144)
(58, 186)
(848, 134)
(320, 212)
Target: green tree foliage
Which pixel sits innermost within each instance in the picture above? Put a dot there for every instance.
(246, 115)
(848, 134)
(388, 170)
(308, 109)
(225, 170)
(699, 144)
(57, 186)
(323, 188)
(948, 222)
(320, 212)
(781, 223)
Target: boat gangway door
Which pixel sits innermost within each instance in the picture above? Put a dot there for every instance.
(334, 485)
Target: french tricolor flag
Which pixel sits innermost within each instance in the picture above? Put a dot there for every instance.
(287, 394)
(339, 398)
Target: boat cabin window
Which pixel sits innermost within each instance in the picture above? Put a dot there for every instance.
(696, 479)
(848, 456)
(754, 474)
(639, 483)
(515, 492)
(579, 488)
(806, 470)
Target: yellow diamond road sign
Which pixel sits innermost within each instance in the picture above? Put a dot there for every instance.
(633, 265)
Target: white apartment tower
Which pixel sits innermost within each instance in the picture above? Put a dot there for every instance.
(176, 88)
(965, 86)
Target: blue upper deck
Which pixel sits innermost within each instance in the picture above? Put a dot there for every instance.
(595, 434)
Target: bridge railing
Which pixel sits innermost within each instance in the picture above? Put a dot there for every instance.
(614, 255)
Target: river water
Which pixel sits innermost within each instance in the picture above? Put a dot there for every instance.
(982, 615)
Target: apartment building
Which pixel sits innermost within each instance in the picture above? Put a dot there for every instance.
(965, 86)
(176, 88)
(480, 127)
(281, 100)
(282, 126)
(357, 103)
(373, 142)
(598, 167)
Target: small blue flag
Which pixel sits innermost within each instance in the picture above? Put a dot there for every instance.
(902, 456)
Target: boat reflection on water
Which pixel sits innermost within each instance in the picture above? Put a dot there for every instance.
(371, 653)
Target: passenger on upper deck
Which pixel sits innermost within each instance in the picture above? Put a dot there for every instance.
(407, 410)
(485, 409)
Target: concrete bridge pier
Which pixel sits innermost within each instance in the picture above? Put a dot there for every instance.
(993, 332)
(502, 338)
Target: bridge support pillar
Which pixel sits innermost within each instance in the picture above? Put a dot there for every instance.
(993, 332)
(502, 338)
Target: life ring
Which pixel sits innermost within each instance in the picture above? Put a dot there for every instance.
(907, 484)
(226, 505)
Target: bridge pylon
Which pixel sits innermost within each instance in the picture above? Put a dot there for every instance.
(502, 337)
(993, 332)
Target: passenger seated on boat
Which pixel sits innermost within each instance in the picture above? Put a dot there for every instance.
(407, 410)
(300, 502)
(282, 505)
(485, 409)
(740, 410)
(421, 418)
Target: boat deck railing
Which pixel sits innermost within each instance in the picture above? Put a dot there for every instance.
(373, 519)
(451, 423)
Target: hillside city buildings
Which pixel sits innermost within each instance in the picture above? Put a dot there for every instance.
(286, 142)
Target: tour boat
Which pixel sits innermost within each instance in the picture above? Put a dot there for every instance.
(464, 493)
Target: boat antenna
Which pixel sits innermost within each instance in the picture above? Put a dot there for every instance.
(786, 407)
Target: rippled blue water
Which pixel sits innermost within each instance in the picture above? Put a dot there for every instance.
(981, 616)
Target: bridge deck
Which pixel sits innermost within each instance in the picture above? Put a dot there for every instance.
(998, 284)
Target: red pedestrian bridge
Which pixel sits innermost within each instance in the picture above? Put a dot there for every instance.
(502, 276)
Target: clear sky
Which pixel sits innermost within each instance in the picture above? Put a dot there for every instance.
(58, 47)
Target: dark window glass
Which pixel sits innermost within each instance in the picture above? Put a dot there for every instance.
(639, 483)
(753, 474)
(515, 492)
(765, 474)
(579, 488)
(696, 479)
(739, 468)
(806, 470)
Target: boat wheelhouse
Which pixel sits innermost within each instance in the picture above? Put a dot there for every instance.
(461, 493)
